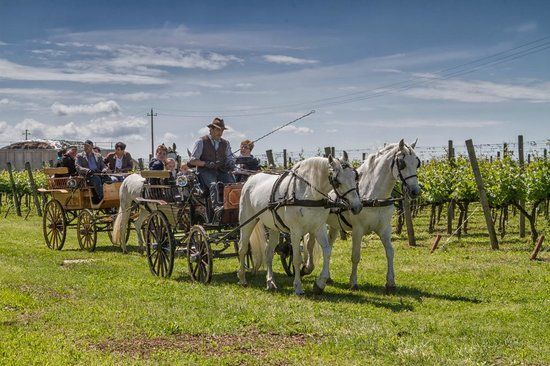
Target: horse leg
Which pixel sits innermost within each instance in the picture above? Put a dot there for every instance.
(297, 262)
(385, 237)
(310, 262)
(322, 238)
(269, 252)
(356, 238)
(143, 213)
(332, 236)
(244, 242)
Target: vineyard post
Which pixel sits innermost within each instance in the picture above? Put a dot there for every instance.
(409, 220)
(364, 156)
(451, 206)
(521, 202)
(33, 189)
(545, 153)
(498, 155)
(328, 151)
(140, 164)
(504, 150)
(270, 160)
(333, 151)
(482, 194)
(14, 191)
(285, 160)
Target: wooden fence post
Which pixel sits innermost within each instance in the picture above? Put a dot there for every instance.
(333, 151)
(482, 194)
(16, 201)
(536, 250)
(285, 160)
(409, 221)
(140, 164)
(545, 153)
(33, 189)
(270, 160)
(436, 243)
(328, 151)
(504, 150)
(521, 202)
(364, 156)
(451, 205)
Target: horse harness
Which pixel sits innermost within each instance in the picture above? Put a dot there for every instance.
(326, 202)
(401, 165)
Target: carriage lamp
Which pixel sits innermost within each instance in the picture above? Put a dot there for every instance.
(182, 181)
(72, 183)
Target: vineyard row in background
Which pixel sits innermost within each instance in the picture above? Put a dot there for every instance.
(511, 186)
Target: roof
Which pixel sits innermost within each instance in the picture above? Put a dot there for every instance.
(43, 144)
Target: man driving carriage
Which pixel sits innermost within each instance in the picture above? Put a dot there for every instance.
(90, 164)
(214, 161)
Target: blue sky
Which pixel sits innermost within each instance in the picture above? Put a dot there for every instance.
(93, 69)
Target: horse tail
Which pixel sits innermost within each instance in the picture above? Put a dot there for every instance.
(258, 246)
(130, 189)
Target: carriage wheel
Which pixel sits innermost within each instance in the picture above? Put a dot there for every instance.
(160, 245)
(199, 255)
(86, 230)
(54, 225)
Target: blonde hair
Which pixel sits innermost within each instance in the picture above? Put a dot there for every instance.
(168, 161)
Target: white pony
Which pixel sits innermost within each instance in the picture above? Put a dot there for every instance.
(310, 181)
(378, 175)
(130, 189)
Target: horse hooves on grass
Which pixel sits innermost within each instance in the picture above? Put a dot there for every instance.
(354, 287)
(271, 286)
(316, 289)
(330, 281)
(390, 290)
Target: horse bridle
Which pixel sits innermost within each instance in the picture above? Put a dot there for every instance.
(401, 165)
(335, 183)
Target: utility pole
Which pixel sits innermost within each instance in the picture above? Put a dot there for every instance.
(26, 133)
(152, 136)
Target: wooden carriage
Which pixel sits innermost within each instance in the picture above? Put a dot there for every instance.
(71, 205)
(179, 219)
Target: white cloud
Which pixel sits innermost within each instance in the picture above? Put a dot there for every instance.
(480, 92)
(105, 128)
(288, 60)
(169, 137)
(4, 101)
(3, 43)
(526, 27)
(109, 106)
(13, 71)
(301, 130)
(3, 127)
(244, 85)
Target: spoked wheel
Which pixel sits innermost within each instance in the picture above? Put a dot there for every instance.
(160, 245)
(199, 255)
(86, 230)
(54, 225)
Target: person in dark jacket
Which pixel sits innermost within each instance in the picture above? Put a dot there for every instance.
(246, 161)
(157, 163)
(68, 160)
(119, 161)
(90, 165)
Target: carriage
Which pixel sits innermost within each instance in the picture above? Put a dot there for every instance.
(70, 205)
(178, 225)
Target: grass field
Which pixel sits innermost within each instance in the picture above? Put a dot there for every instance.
(464, 305)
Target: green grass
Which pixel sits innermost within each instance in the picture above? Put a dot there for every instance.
(464, 305)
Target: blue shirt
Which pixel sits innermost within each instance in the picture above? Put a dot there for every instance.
(92, 164)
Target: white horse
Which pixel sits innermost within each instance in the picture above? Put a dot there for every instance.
(311, 179)
(130, 189)
(377, 177)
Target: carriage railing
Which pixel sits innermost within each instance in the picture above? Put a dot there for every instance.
(58, 179)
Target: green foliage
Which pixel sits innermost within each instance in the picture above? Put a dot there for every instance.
(537, 181)
(437, 179)
(21, 179)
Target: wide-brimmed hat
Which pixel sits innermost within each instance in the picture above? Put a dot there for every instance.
(218, 123)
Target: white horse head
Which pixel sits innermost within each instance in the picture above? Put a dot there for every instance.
(404, 168)
(344, 180)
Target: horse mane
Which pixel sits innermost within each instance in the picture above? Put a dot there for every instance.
(310, 168)
(369, 163)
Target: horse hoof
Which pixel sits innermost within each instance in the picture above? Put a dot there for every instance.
(316, 289)
(330, 281)
(271, 286)
(299, 293)
(354, 287)
(390, 289)
(304, 271)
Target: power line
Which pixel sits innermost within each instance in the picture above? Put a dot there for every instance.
(540, 44)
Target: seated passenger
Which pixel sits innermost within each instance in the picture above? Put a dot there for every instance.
(246, 161)
(119, 161)
(157, 163)
(68, 161)
(170, 165)
(90, 165)
(184, 169)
